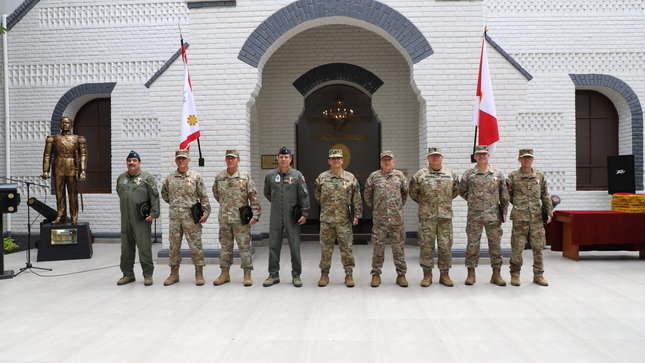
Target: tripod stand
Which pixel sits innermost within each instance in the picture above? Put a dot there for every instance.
(28, 265)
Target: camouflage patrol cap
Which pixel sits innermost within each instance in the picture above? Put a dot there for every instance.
(481, 149)
(434, 150)
(387, 153)
(233, 153)
(181, 154)
(336, 153)
(526, 152)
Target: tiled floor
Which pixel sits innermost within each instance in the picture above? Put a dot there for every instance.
(594, 311)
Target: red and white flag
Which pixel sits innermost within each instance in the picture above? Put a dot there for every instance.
(485, 117)
(189, 125)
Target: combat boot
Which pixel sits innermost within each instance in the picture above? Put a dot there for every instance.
(470, 280)
(125, 280)
(225, 277)
(199, 275)
(174, 276)
(324, 279)
(497, 278)
(297, 282)
(427, 278)
(515, 279)
(538, 279)
(247, 277)
(271, 280)
(401, 281)
(376, 280)
(349, 280)
(147, 280)
(445, 280)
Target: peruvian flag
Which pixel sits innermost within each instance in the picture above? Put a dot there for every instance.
(485, 117)
(189, 125)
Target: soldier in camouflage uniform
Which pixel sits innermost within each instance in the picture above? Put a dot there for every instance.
(484, 188)
(529, 194)
(341, 206)
(134, 187)
(234, 188)
(182, 189)
(386, 190)
(434, 188)
(285, 187)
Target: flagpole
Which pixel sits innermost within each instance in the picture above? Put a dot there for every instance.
(201, 159)
(472, 156)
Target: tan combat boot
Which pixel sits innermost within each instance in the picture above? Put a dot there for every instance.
(349, 280)
(401, 281)
(199, 275)
(515, 279)
(497, 278)
(174, 276)
(470, 280)
(247, 277)
(445, 280)
(147, 280)
(538, 279)
(126, 280)
(324, 279)
(376, 280)
(427, 279)
(224, 277)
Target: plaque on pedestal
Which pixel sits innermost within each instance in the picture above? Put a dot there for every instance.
(65, 242)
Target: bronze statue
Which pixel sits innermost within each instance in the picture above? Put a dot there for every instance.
(70, 158)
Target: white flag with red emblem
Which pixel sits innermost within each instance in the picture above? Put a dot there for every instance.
(485, 117)
(189, 124)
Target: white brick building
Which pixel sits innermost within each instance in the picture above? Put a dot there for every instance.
(246, 55)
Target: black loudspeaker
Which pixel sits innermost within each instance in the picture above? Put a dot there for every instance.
(9, 198)
(620, 174)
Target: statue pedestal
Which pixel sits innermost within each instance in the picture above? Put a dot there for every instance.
(65, 242)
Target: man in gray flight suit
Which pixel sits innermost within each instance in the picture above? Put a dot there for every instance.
(135, 187)
(285, 187)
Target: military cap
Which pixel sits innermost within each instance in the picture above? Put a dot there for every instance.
(387, 153)
(284, 151)
(434, 150)
(181, 154)
(335, 153)
(481, 149)
(526, 152)
(133, 155)
(233, 153)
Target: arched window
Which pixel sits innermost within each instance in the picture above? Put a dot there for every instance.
(94, 121)
(596, 138)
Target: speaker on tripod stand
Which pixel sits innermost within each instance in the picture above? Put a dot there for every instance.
(9, 201)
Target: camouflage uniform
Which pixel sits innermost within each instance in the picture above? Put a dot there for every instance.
(135, 233)
(336, 194)
(181, 191)
(284, 191)
(232, 192)
(434, 190)
(387, 193)
(487, 198)
(528, 192)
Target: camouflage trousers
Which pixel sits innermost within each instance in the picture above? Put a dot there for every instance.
(474, 234)
(329, 233)
(441, 230)
(185, 226)
(228, 232)
(534, 233)
(397, 239)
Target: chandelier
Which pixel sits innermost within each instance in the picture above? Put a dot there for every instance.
(338, 116)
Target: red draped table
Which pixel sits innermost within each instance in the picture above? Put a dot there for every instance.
(575, 231)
